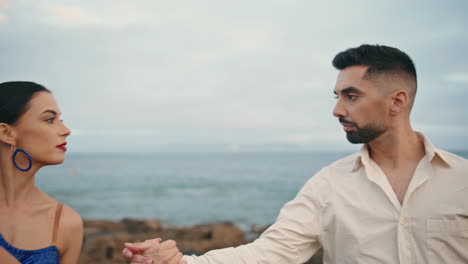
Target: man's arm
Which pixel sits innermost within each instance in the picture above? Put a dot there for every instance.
(293, 238)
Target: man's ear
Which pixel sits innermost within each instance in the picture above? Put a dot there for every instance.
(400, 101)
(7, 134)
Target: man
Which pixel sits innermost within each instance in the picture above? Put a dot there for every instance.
(399, 200)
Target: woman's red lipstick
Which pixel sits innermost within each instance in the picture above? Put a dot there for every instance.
(63, 146)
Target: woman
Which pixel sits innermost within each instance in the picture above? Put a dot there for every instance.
(34, 228)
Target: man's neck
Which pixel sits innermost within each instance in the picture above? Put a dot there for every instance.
(398, 154)
(397, 147)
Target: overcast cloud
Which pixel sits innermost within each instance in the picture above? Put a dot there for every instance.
(227, 75)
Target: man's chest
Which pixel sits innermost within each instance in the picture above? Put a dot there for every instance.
(361, 217)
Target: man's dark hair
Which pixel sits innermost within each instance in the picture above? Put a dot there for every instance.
(15, 97)
(378, 58)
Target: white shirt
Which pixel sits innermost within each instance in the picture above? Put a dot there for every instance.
(350, 209)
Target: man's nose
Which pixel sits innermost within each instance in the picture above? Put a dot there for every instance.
(339, 110)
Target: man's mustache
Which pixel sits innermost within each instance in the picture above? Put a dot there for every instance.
(344, 121)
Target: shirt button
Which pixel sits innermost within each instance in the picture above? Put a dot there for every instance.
(403, 221)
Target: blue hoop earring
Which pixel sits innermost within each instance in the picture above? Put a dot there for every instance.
(14, 160)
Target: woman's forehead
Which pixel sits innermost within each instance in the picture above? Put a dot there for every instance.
(42, 101)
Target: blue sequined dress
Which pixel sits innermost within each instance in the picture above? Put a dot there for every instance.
(48, 255)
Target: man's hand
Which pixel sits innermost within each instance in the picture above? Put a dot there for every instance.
(165, 253)
(152, 252)
(135, 248)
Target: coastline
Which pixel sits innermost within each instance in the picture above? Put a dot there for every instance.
(104, 239)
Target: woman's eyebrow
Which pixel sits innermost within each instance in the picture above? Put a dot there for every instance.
(49, 111)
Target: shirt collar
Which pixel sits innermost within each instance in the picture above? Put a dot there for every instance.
(433, 154)
(362, 158)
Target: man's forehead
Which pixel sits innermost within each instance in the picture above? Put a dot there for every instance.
(352, 76)
(353, 72)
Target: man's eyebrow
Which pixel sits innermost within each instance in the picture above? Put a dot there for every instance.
(349, 90)
(49, 111)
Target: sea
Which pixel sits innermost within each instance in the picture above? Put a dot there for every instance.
(182, 189)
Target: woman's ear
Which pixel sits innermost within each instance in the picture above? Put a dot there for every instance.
(7, 134)
(400, 101)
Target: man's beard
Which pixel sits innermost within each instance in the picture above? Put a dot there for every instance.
(362, 134)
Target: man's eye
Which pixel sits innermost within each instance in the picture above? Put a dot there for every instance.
(335, 96)
(351, 97)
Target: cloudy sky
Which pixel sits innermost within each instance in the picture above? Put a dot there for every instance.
(215, 75)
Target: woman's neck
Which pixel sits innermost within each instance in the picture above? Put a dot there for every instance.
(16, 187)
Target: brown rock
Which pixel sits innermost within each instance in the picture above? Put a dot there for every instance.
(203, 238)
(141, 226)
(104, 240)
(98, 225)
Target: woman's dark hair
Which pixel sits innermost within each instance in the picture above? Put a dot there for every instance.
(14, 99)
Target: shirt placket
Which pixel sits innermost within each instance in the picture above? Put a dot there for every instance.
(405, 241)
(406, 244)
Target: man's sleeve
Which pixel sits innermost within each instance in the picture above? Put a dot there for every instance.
(293, 238)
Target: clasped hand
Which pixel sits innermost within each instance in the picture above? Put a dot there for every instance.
(152, 251)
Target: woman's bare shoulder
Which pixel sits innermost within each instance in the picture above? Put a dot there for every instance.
(70, 219)
(70, 234)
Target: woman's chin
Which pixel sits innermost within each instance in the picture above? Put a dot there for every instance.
(55, 161)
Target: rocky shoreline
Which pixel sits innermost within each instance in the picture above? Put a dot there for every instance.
(104, 239)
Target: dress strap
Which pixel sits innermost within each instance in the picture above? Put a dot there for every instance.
(58, 212)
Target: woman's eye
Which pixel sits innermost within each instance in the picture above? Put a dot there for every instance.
(50, 120)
